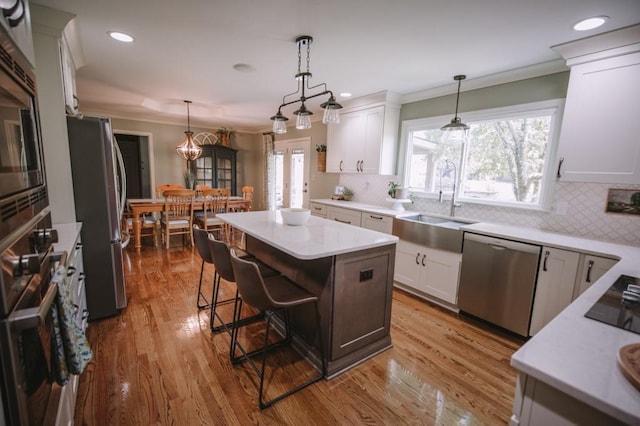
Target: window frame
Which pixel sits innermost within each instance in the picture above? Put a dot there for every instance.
(553, 108)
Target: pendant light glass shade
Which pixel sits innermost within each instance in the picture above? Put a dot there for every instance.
(457, 127)
(303, 120)
(331, 111)
(279, 123)
(188, 149)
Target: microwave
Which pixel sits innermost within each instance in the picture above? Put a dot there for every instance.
(23, 192)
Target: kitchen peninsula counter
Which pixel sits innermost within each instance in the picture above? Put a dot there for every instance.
(350, 269)
(569, 370)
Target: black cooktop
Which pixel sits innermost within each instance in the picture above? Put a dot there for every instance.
(613, 310)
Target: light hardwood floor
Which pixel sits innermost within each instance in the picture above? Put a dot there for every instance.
(158, 363)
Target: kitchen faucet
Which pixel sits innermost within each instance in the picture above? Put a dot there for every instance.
(447, 171)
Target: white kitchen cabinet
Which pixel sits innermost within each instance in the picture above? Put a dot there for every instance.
(365, 140)
(69, 240)
(431, 272)
(318, 209)
(377, 222)
(554, 287)
(591, 268)
(600, 134)
(350, 217)
(68, 78)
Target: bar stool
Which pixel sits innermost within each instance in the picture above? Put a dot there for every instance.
(221, 256)
(201, 238)
(269, 294)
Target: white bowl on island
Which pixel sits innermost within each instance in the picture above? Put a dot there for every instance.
(295, 216)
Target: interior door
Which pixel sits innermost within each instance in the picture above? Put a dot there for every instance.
(135, 153)
(291, 164)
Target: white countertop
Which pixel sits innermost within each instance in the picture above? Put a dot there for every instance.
(363, 207)
(575, 354)
(317, 238)
(67, 236)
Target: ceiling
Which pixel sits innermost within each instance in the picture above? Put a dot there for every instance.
(187, 50)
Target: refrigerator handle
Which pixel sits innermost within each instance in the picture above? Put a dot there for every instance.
(123, 174)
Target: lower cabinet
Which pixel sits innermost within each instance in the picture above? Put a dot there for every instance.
(432, 272)
(348, 216)
(554, 288)
(318, 209)
(591, 268)
(377, 222)
(69, 241)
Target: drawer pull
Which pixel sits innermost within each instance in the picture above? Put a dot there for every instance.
(417, 256)
(342, 221)
(376, 217)
(558, 173)
(424, 256)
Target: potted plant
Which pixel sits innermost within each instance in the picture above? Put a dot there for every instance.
(392, 189)
(322, 157)
(224, 136)
(347, 194)
(189, 180)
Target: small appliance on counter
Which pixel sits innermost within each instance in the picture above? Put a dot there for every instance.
(620, 305)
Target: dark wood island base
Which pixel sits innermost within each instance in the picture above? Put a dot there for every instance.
(355, 292)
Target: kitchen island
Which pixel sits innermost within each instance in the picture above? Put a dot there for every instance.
(350, 269)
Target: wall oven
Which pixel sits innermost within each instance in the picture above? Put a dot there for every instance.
(23, 193)
(30, 395)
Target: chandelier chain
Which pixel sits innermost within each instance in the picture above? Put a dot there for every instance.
(308, 57)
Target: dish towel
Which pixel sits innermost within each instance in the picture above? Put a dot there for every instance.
(71, 347)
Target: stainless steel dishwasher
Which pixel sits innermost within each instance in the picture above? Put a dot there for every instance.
(497, 281)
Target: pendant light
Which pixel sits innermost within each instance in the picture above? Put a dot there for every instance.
(457, 128)
(303, 121)
(188, 149)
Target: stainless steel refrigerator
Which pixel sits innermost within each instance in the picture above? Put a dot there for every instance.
(98, 199)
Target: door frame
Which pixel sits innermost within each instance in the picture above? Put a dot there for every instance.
(307, 172)
(152, 168)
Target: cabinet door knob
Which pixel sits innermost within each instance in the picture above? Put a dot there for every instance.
(546, 256)
(589, 271)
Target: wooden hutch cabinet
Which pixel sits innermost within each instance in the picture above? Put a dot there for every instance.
(216, 167)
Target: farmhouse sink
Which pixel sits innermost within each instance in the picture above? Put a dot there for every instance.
(441, 233)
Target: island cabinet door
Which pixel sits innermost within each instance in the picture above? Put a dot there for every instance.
(362, 300)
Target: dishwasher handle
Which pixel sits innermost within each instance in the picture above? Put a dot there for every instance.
(501, 244)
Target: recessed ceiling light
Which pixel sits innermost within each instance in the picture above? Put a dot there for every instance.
(590, 23)
(243, 67)
(121, 36)
(345, 94)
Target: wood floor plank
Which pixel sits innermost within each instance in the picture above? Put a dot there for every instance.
(157, 363)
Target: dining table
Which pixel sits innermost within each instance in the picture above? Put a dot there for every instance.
(141, 206)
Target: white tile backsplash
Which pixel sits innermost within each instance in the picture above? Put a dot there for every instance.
(577, 209)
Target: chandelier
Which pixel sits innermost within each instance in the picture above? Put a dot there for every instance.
(457, 127)
(303, 120)
(188, 149)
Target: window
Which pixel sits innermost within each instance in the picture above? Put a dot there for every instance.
(504, 160)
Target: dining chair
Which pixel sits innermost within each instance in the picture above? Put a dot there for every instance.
(271, 295)
(200, 188)
(215, 201)
(177, 215)
(247, 194)
(148, 226)
(161, 188)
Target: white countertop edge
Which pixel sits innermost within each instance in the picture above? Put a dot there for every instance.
(267, 227)
(369, 208)
(67, 235)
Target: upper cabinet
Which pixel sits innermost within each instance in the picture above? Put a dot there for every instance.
(600, 135)
(365, 140)
(68, 78)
